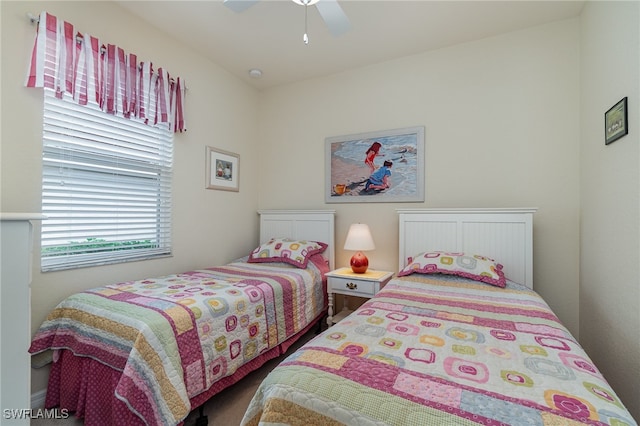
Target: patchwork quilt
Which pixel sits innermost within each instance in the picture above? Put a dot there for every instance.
(440, 350)
(173, 337)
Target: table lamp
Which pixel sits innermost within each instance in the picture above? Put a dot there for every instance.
(359, 239)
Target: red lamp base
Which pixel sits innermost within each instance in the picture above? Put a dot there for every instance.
(359, 263)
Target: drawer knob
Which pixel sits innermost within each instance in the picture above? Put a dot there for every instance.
(352, 286)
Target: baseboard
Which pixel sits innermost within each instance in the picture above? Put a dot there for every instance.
(38, 398)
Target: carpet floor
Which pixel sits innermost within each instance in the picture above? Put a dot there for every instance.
(224, 409)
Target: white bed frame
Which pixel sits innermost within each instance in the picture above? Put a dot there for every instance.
(315, 225)
(505, 235)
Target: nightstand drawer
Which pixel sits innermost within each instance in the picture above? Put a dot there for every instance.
(353, 287)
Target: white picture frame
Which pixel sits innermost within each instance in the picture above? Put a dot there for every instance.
(222, 170)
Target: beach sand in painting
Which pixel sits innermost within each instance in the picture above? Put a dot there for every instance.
(347, 173)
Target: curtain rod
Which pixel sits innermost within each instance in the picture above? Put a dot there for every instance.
(34, 19)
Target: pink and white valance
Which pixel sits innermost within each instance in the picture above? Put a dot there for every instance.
(91, 72)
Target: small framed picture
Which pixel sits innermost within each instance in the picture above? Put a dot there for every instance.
(223, 170)
(615, 122)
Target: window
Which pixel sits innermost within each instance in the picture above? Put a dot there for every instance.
(108, 128)
(106, 187)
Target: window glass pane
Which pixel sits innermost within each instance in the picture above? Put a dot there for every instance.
(106, 187)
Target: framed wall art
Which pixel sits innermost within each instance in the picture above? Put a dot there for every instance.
(223, 170)
(615, 122)
(375, 167)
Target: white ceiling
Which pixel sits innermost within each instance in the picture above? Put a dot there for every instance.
(268, 35)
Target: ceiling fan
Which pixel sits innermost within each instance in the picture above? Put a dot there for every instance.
(330, 11)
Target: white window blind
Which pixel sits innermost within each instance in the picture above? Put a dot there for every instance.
(106, 187)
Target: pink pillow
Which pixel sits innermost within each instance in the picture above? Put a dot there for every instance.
(293, 252)
(475, 267)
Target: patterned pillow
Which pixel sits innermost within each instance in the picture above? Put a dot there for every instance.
(294, 252)
(475, 267)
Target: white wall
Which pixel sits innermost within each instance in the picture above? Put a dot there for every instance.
(502, 125)
(610, 197)
(210, 227)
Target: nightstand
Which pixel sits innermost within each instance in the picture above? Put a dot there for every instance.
(344, 281)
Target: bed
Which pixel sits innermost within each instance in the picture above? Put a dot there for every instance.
(151, 351)
(455, 337)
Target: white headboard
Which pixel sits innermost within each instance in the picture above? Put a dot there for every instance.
(505, 235)
(316, 225)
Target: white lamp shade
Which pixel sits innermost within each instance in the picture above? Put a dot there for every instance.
(359, 238)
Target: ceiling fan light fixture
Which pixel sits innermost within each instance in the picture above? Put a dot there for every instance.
(306, 2)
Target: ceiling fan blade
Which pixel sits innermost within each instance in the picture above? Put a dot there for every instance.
(333, 16)
(239, 5)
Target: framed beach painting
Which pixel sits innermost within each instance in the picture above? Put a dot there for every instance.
(223, 170)
(375, 167)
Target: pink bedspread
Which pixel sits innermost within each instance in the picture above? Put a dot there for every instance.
(438, 350)
(172, 338)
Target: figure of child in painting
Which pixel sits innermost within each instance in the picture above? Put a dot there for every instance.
(371, 154)
(380, 178)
